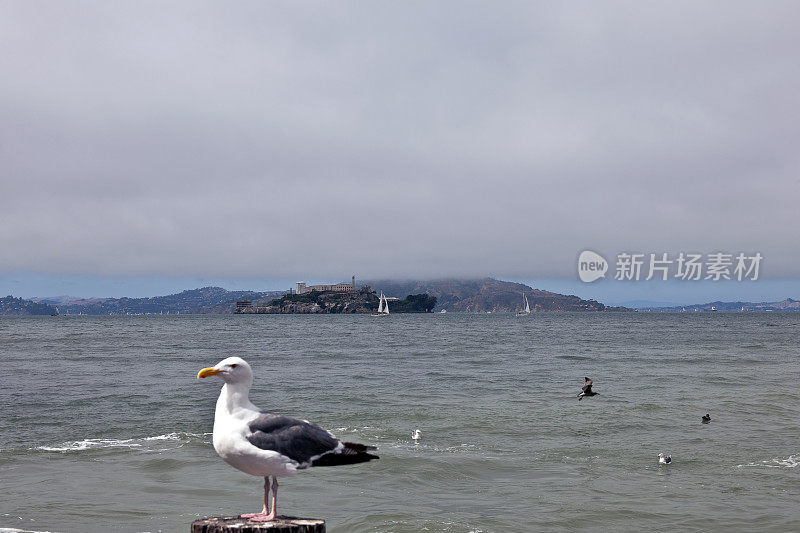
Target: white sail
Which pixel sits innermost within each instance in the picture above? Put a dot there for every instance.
(385, 306)
(380, 303)
(527, 309)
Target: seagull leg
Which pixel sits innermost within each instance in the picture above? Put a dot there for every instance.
(274, 495)
(264, 515)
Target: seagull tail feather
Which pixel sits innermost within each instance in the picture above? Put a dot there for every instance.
(350, 453)
(358, 447)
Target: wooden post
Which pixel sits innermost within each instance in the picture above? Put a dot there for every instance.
(282, 524)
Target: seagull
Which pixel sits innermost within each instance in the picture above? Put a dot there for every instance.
(263, 444)
(664, 459)
(586, 390)
(416, 435)
(706, 418)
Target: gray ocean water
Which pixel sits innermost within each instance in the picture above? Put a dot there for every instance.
(104, 426)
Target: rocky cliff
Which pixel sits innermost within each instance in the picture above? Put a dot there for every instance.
(331, 302)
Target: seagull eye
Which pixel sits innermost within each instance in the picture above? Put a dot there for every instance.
(234, 366)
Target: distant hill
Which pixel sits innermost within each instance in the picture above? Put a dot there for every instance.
(10, 306)
(470, 295)
(784, 305)
(208, 300)
(486, 294)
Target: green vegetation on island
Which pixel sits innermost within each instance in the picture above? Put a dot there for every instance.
(19, 307)
(413, 303)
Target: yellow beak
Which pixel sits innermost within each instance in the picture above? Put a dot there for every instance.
(208, 372)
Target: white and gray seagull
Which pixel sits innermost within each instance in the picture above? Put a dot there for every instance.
(263, 444)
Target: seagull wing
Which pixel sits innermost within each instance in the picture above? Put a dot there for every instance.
(587, 386)
(303, 442)
(298, 440)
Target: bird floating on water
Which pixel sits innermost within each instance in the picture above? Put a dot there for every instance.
(263, 444)
(706, 418)
(664, 459)
(416, 435)
(586, 390)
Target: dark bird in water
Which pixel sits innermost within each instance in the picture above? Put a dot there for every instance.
(586, 390)
(664, 459)
(706, 418)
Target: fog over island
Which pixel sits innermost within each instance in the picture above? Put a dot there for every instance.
(151, 147)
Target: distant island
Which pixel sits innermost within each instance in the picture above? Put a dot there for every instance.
(470, 296)
(784, 305)
(452, 295)
(361, 300)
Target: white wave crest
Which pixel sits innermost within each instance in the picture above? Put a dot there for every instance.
(90, 444)
(14, 530)
(790, 462)
(175, 436)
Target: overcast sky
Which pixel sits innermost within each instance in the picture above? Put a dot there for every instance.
(314, 140)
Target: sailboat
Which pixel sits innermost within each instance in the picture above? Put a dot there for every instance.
(383, 306)
(527, 310)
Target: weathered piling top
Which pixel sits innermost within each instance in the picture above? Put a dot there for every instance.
(282, 524)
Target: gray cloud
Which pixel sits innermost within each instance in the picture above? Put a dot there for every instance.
(298, 139)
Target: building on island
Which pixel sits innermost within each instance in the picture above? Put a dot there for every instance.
(339, 287)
